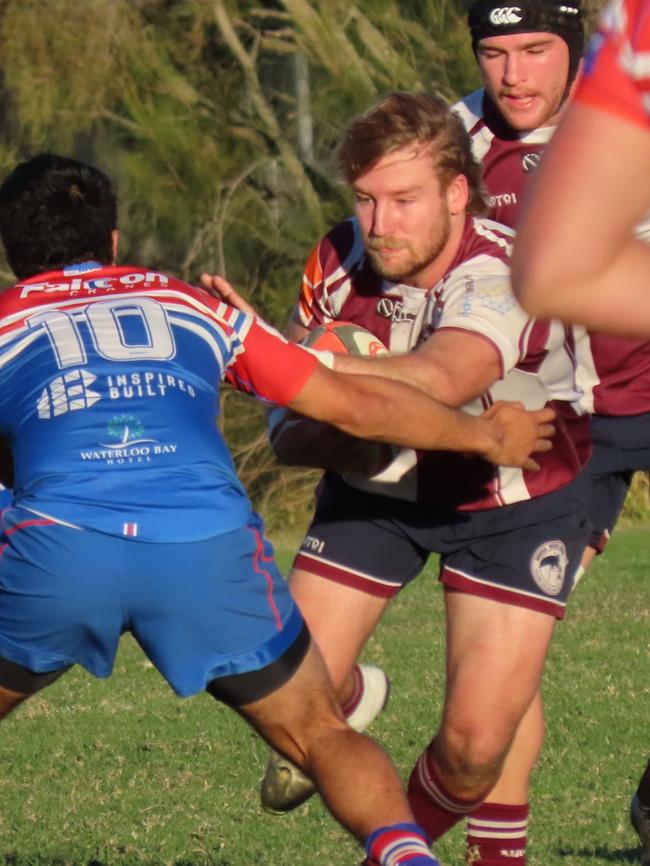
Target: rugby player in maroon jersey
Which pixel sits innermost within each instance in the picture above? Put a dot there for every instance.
(422, 269)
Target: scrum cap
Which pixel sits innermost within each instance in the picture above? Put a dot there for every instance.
(494, 18)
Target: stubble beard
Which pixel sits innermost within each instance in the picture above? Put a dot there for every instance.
(418, 261)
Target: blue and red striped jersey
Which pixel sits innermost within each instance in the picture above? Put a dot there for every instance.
(109, 397)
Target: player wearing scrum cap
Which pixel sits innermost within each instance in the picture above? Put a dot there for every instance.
(529, 56)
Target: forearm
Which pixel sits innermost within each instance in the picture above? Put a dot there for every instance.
(387, 411)
(409, 369)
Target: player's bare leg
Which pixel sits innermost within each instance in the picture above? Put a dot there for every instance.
(495, 659)
(499, 826)
(9, 700)
(354, 775)
(514, 781)
(341, 619)
(588, 557)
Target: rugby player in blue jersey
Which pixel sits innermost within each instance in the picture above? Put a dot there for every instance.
(127, 514)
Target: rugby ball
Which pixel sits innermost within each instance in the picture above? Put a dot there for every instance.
(356, 456)
(345, 338)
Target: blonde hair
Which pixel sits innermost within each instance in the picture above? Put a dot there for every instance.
(402, 118)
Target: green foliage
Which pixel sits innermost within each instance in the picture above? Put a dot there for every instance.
(637, 505)
(194, 107)
(219, 121)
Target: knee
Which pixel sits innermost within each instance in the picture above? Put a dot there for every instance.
(306, 733)
(470, 757)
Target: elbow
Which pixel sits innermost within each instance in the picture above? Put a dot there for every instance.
(535, 288)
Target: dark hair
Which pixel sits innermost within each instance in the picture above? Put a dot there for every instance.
(54, 212)
(495, 18)
(402, 118)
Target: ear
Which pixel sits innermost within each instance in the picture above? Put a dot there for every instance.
(457, 195)
(115, 238)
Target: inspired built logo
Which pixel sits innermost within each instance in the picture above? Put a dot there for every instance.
(67, 393)
(504, 15)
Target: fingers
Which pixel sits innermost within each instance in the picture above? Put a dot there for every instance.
(532, 465)
(496, 408)
(512, 409)
(543, 445)
(545, 415)
(221, 288)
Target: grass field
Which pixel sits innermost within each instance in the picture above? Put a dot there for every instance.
(122, 772)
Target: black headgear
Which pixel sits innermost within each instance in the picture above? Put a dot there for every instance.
(494, 18)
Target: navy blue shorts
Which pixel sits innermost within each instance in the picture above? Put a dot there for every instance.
(524, 554)
(621, 447)
(200, 610)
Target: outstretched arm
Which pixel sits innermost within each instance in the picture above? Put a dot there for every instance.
(575, 255)
(384, 410)
(388, 411)
(452, 366)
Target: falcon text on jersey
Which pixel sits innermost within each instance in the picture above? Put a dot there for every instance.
(140, 279)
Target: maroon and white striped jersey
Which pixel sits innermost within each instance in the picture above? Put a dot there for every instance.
(612, 372)
(475, 296)
(508, 157)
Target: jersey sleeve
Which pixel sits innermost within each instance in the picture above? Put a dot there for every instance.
(311, 309)
(330, 267)
(484, 304)
(266, 365)
(616, 76)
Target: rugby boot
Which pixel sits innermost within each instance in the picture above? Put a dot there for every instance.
(640, 820)
(285, 787)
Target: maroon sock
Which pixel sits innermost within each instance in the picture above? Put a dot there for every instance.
(435, 809)
(497, 835)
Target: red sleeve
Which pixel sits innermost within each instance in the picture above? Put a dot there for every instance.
(615, 78)
(269, 367)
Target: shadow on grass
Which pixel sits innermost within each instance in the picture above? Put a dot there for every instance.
(608, 855)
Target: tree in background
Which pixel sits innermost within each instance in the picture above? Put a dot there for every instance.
(218, 120)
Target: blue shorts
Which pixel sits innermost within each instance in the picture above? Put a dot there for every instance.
(621, 447)
(525, 554)
(201, 610)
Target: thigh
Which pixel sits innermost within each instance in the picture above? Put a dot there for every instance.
(211, 609)
(341, 618)
(495, 659)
